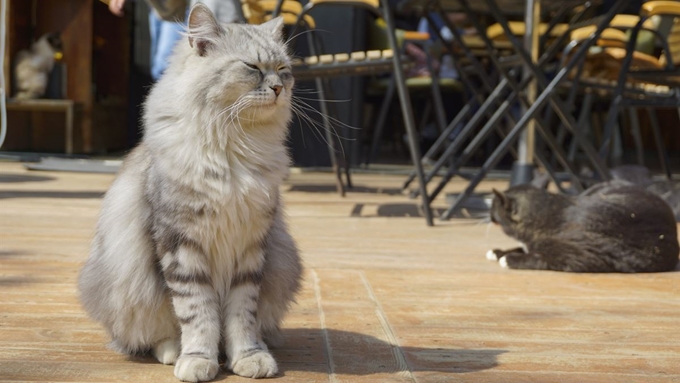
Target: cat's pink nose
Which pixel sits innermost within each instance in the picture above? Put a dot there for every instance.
(277, 89)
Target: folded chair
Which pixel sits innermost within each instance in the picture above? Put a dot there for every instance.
(322, 67)
(636, 80)
(502, 97)
(430, 88)
(546, 98)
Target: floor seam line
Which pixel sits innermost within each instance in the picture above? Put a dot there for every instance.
(324, 330)
(397, 352)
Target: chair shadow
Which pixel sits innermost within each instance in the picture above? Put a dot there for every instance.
(413, 210)
(11, 253)
(404, 210)
(5, 194)
(6, 178)
(357, 354)
(16, 280)
(13, 280)
(328, 188)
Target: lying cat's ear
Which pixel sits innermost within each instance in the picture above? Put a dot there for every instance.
(203, 29)
(501, 197)
(275, 27)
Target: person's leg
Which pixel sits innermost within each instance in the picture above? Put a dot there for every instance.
(154, 28)
(167, 35)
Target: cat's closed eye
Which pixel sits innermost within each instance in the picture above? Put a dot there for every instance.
(285, 73)
(251, 66)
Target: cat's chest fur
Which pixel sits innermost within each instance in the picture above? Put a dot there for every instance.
(226, 201)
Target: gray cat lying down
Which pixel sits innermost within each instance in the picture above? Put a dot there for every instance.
(611, 227)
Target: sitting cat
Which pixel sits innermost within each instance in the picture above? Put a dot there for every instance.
(611, 227)
(192, 254)
(33, 67)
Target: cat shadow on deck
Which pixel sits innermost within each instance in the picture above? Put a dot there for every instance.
(353, 353)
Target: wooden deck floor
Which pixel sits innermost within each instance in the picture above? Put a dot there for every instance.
(385, 298)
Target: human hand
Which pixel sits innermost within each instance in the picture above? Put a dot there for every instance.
(116, 7)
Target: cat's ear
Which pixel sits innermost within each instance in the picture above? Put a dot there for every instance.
(203, 29)
(275, 27)
(54, 39)
(501, 197)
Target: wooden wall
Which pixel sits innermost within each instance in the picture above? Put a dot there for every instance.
(6, 63)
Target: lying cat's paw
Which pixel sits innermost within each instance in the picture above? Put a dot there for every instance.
(491, 255)
(258, 365)
(166, 351)
(190, 369)
(503, 262)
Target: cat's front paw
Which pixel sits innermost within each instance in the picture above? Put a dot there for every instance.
(491, 255)
(258, 365)
(191, 369)
(503, 262)
(167, 351)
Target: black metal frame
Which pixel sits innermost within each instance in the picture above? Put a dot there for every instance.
(497, 94)
(402, 91)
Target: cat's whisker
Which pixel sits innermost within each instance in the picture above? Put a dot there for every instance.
(228, 109)
(310, 122)
(290, 39)
(324, 100)
(305, 91)
(302, 133)
(299, 89)
(331, 129)
(327, 119)
(332, 119)
(318, 126)
(235, 108)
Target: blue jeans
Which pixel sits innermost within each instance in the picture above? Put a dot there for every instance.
(164, 36)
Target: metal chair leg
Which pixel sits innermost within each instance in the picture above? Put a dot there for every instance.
(584, 117)
(330, 140)
(442, 138)
(637, 136)
(407, 111)
(342, 161)
(661, 149)
(617, 99)
(380, 123)
(437, 96)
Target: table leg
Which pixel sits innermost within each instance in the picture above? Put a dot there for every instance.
(522, 171)
(69, 129)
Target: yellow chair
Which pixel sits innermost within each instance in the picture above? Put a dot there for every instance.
(635, 79)
(321, 67)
